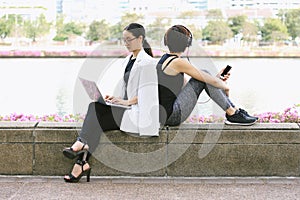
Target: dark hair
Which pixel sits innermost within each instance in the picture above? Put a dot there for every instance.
(177, 38)
(138, 30)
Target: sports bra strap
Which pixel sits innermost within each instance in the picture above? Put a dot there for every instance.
(169, 62)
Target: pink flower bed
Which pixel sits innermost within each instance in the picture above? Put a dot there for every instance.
(26, 53)
(57, 53)
(289, 115)
(71, 53)
(47, 118)
(5, 53)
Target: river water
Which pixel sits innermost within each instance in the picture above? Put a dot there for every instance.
(42, 86)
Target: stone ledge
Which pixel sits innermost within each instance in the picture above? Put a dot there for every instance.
(264, 149)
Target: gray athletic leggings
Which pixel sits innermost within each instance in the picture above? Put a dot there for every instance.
(187, 99)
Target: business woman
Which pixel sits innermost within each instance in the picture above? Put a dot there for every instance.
(138, 89)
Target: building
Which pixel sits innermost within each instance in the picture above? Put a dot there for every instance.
(218, 4)
(28, 9)
(89, 10)
(59, 6)
(274, 5)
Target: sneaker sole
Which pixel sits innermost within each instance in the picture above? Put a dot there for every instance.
(239, 124)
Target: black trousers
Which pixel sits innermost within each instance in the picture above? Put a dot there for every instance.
(99, 118)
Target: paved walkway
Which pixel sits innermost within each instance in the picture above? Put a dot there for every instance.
(133, 188)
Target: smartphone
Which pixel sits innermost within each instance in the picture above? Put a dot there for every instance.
(226, 70)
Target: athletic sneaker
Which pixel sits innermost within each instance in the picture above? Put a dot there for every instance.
(247, 114)
(239, 118)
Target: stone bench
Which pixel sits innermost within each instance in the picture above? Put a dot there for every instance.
(264, 149)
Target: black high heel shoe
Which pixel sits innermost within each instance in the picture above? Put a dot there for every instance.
(87, 172)
(70, 153)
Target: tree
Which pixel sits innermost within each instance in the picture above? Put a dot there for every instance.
(59, 25)
(188, 15)
(10, 24)
(249, 31)
(217, 31)
(197, 32)
(5, 28)
(292, 22)
(236, 23)
(157, 29)
(65, 30)
(274, 30)
(36, 28)
(214, 14)
(126, 19)
(98, 30)
(73, 28)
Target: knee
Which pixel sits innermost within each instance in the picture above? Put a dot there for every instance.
(92, 106)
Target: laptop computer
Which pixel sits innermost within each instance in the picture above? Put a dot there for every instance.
(94, 93)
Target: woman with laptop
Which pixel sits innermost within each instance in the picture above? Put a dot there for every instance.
(139, 80)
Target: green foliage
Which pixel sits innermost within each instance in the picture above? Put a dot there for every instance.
(249, 31)
(73, 28)
(197, 32)
(292, 22)
(98, 30)
(65, 30)
(60, 38)
(38, 27)
(274, 30)
(188, 15)
(128, 18)
(217, 32)
(157, 29)
(117, 29)
(236, 23)
(9, 24)
(214, 14)
(5, 28)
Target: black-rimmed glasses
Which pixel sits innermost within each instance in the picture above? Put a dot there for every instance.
(127, 40)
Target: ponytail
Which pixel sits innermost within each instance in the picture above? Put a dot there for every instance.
(147, 48)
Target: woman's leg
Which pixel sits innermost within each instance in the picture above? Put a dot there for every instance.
(187, 99)
(185, 102)
(99, 118)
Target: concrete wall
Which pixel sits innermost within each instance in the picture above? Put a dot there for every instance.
(31, 148)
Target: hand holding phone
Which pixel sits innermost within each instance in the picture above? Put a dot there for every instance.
(226, 70)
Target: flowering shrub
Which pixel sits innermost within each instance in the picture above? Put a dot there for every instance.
(65, 53)
(203, 119)
(57, 53)
(289, 115)
(5, 53)
(20, 53)
(47, 118)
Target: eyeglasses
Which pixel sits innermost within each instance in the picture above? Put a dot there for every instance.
(127, 40)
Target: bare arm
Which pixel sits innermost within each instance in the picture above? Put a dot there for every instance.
(181, 65)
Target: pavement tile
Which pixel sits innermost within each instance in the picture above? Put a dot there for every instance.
(154, 188)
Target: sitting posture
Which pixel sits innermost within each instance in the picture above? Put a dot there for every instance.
(138, 90)
(178, 100)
